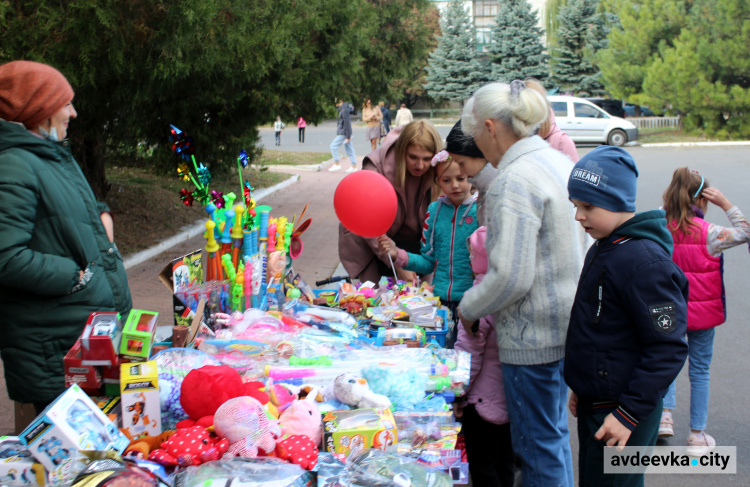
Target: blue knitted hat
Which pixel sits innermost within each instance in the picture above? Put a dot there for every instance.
(605, 177)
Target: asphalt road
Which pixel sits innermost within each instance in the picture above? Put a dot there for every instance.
(727, 168)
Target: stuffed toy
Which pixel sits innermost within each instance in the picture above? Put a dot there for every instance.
(205, 389)
(298, 449)
(143, 446)
(244, 422)
(281, 396)
(303, 418)
(353, 390)
(188, 447)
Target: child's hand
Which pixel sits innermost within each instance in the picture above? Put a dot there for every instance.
(406, 276)
(613, 432)
(457, 411)
(716, 197)
(573, 404)
(388, 246)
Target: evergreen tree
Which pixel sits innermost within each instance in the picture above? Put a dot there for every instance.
(580, 34)
(516, 50)
(454, 70)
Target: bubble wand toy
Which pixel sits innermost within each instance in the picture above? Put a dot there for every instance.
(226, 234)
(213, 269)
(237, 235)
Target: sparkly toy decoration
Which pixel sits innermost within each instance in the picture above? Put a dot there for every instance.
(187, 197)
(183, 171)
(218, 198)
(243, 158)
(204, 175)
(182, 145)
(201, 195)
(441, 156)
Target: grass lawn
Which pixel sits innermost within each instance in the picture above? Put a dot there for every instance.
(673, 134)
(278, 157)
(147, 207)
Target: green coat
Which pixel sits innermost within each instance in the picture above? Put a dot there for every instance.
(50, 229)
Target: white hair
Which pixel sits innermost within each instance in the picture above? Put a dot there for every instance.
(520, 109)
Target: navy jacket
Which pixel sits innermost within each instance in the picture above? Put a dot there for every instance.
(626, 339)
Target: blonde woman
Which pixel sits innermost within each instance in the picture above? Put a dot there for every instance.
(404, 159)
(372, 116)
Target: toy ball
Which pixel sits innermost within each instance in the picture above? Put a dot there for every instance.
(365, 203)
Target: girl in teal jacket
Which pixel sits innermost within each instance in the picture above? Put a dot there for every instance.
(450, 221)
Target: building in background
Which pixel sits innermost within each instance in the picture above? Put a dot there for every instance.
(483, 13)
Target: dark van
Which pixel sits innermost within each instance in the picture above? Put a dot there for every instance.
(613, 107)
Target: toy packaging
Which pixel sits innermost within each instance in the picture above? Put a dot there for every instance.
(88, 377)
(110, 406)
(351, 431)
(415, 306)
(138, 335)
(17, 467)
(141, 410)
(180, 274)
(100, 339)
(71, 422)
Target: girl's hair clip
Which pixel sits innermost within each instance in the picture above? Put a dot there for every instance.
(441, 156)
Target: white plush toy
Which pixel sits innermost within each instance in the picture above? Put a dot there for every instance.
(353, 390)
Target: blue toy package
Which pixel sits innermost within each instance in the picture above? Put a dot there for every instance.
(72, 422)
(439, 335)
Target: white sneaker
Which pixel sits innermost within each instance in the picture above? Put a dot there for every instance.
(352, 169)
(666, 426)
(334, 167)
(699, 444)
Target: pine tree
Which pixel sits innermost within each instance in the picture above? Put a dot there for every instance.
(516, 50)
(454, 70)
(581, 33)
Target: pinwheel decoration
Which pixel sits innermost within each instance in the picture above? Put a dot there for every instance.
(182, 145)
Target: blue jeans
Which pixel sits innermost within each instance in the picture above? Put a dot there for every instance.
(700, 353)
(348, 147)
(536, 397)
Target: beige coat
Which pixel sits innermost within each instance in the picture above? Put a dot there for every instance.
(369, 113)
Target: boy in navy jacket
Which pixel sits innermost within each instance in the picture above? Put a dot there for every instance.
(625, 343)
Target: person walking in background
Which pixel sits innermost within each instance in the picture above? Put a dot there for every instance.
(403, 116)
(698, 251)
(343, 136)
(301, 124)
(386, 121)
(58, 258)
(372, 116)
(278, 126)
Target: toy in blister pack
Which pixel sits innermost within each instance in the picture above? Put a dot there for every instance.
(100, 340)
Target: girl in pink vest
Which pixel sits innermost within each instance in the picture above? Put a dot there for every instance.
(482, 409)
(698, 247)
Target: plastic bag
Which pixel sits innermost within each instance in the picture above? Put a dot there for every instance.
(244, 472)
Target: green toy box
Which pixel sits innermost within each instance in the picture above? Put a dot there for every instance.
(138, 335)
(354, 430)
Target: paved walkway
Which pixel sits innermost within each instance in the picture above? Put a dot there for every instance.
(318, 261)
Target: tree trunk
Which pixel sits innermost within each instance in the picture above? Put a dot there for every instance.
(89, 154)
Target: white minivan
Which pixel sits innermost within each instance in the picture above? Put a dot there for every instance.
(585, 122)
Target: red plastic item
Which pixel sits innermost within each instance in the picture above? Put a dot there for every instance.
(365, 203)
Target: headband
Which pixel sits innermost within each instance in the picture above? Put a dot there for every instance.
(699, 188)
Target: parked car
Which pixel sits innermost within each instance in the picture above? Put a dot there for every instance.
(632, 110)
(613, 107)
(585, 122)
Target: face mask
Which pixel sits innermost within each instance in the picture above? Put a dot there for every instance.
(51, 135)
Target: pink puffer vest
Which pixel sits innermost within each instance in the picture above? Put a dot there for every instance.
(706, 300)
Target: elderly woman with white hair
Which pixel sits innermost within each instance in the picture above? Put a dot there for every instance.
(535, 254)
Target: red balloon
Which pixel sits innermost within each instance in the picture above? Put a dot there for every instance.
(365, 203)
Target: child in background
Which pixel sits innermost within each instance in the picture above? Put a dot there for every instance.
(698, 247)
(625, 343)
(278, 126)
(450, 221)
(482, 409)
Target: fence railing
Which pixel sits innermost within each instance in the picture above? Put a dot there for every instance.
(654, 122)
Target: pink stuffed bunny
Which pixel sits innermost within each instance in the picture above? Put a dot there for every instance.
(302, 418)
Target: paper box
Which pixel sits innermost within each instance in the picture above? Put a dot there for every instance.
(139, 392)
(17, 466)
(414, 305)
(138, 335)
(111, 380)
(110, 406)
(88, 377)
(347, 432)
(72, 422)
(101, 339)
(180, 274)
